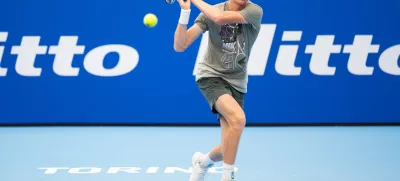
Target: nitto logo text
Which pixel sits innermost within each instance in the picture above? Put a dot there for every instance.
(321, 51)
(64, 54)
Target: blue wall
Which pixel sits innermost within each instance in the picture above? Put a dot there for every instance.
(160, 87)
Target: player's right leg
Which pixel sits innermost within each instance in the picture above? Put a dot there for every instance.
(216, 154)
(201, 162)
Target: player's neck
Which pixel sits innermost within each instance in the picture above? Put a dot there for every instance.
(232, 6)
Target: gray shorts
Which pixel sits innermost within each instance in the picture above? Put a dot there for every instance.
(214, 87)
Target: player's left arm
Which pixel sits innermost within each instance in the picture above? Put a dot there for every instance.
(250, 15)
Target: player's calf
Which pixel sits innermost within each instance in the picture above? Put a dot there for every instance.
(237, 122)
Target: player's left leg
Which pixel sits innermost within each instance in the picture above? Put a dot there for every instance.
(228, 106)
(216, 89)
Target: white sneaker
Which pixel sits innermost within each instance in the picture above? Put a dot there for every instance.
(198, 172)
(231, 179)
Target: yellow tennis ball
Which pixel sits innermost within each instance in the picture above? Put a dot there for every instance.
(150, 20)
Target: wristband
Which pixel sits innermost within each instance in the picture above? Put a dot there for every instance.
(184, 18)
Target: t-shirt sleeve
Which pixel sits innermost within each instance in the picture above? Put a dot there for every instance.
(202, 21)
(253, 14)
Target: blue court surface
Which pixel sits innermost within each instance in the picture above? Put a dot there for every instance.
(164, 153)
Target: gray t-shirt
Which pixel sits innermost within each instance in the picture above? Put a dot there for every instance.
(229, 46)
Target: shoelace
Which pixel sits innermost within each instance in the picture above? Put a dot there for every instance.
(202, 170)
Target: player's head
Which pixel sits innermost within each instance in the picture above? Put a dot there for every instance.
(240, 2)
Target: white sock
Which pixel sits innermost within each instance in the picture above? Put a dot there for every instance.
(206, 161)
(228, 172)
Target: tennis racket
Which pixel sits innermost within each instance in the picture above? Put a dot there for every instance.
(172, 1)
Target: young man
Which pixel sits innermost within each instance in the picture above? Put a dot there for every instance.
(233, 28)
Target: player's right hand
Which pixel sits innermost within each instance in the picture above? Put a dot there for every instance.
(184, 5)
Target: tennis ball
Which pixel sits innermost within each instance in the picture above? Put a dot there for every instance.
(150, 20)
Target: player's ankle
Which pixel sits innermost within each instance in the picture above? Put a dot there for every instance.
(228, 172)
(206, 161)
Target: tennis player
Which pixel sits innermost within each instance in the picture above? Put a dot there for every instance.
(222, 78)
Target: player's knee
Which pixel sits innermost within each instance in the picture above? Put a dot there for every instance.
(238, 122)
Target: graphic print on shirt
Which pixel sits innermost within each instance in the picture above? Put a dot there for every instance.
(233, 45)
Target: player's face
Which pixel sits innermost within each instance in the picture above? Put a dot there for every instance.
(240, 2)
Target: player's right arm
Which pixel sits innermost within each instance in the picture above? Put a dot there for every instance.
(185, 37)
